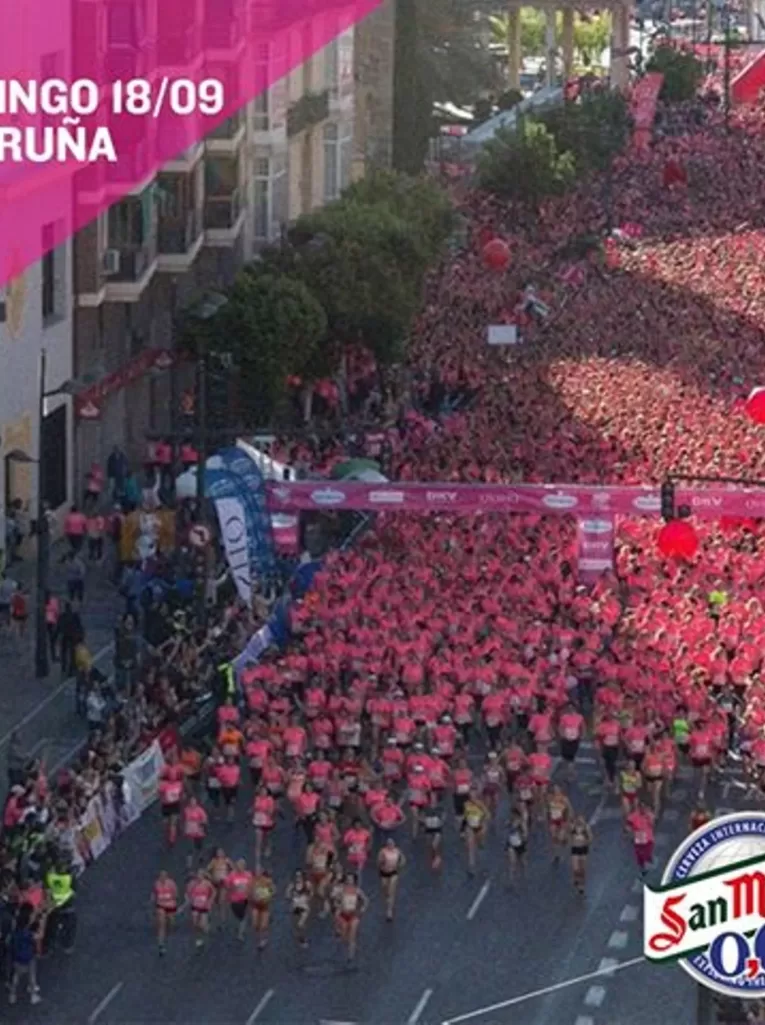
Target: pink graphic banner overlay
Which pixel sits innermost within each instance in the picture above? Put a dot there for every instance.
(97, 95)
(595, 547)
(539, 499)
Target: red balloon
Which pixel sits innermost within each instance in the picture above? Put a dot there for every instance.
(678, 540)
(755, 407)
(496, 255)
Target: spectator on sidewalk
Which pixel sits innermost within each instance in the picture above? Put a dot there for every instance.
(8, 588)
(23, 944)
(96, 529)
(75, 577)
(94, 486)
(52, 615)
(117, 468)
(20, 612)
(125, 654)
(83, 666)
(75, 525)
(95, 709)
(71, 633)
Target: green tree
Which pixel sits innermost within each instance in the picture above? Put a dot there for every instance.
(439, 58)
(593, 129)
(365, 265)
(525, 163)
(533, 29)
(682, 71)
(272, 326)
(591, 36)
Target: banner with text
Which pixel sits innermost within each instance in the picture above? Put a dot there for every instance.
(233, 529)
(541, 499)
(596, 547)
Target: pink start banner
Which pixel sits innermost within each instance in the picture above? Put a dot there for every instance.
(98, 95)
(540, 499)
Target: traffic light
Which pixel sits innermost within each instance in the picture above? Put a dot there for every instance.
(668, 500)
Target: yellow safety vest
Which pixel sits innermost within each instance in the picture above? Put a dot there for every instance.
(60, 887)
(228, 670)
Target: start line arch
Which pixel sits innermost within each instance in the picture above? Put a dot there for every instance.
(541, 499)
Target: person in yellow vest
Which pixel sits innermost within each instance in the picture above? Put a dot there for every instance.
(62, 918)
(83, 666)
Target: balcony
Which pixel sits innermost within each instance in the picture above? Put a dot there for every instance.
(222, 213)
(310, 110)
(179, 49)
(227, 137)
(133, 169)
(179, 240)
(128, 269)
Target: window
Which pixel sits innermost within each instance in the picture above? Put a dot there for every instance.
(124, 24)
(53, 446)
(53, 263)
(331, 163)
(269, 197)
(126, 224)
(332, 69)
(260, 118)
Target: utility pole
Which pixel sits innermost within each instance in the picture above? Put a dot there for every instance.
(43, 538)
(201, 448)
(726, 66)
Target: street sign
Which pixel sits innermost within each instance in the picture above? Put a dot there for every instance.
(199, 536)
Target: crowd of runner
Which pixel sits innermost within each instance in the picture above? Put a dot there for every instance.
(442, 665)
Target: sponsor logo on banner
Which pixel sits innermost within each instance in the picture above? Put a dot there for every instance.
(598, 526)
(233, 527)
(705, 502)
(560, 501)
(327, 496)
(142, 779)
(588, 565)
(647, 503)
(283, 494)
(755, 505)
(709, 912)
(441, 497)
(601, 499)
(499, 497)
(386, 497)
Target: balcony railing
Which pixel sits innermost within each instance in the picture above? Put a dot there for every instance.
(222, 212)
(177, 235)
(228, 129)
(134, 261)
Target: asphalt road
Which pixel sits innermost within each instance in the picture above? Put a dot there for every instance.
(460, 949)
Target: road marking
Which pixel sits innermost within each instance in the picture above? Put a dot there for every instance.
(725, 791)
(597, 815)
(595, 996)
(618, 939)
(51, 697)
(608, 965)
(105, 1002)
(629, 913)
(68, 756)
(671, 815)
(478, 901)
(422, 1003)
(262, 1004)
(586, 761)
(726, 811)
(543, 992)
(637, 886)
(37, 747)
(584, 1019)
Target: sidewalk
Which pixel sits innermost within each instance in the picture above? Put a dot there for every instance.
(44, 709)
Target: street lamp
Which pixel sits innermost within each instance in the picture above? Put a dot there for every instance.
(210, 306)
(42, 569)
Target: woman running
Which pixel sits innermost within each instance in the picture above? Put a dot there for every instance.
(653, 774)
(580, 838)
(300, 896)
(559, 815)
(195, 821)
(200, 894)
(433, 820)
(262, 895)
(640, 823)
(217, 871)
(700, 816)
(165, 900)
(353, 903)
(475, 824)
(630, 782)
(492, 782)
(517, 844)
(390, 862)
(319, 857)
(263, 818)
(238, 885)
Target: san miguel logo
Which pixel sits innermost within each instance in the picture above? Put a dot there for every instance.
(709, 912)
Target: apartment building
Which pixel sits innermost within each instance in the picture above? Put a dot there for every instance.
(190, 227)
(36, 314)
